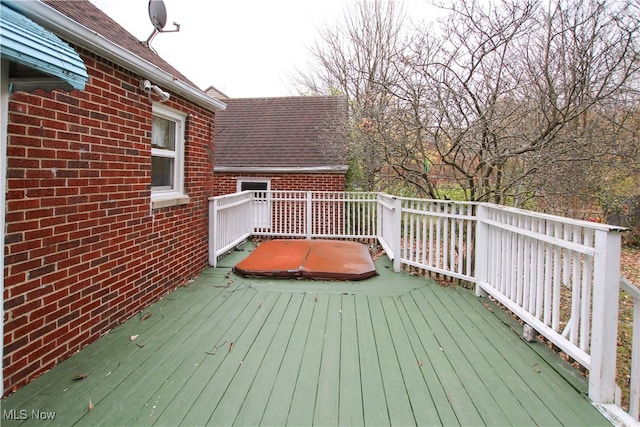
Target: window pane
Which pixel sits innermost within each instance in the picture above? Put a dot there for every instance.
(253, 186)
(161, 172)
(163, 134)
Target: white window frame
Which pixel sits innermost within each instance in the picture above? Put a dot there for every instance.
(240, 181)
(175, 195)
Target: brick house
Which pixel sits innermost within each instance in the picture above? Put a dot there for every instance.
(284, 143)
(106, 184)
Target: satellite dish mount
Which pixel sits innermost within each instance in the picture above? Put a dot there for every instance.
(158, 17)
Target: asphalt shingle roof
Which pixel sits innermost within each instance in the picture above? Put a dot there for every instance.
(284, 132)
(90, 16)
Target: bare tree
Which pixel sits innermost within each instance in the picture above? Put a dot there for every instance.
(354, 58)
(506, 101)
(518, 91)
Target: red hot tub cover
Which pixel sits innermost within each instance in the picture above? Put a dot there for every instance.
(310, 259)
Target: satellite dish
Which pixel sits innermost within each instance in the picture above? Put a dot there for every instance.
(157, 14)
(158, 17)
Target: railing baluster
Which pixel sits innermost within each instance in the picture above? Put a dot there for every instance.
(585, 297)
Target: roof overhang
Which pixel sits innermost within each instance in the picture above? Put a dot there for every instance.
(341, 169)
(40, 59)
(80, 35)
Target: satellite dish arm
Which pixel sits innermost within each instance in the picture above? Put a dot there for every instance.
(158, 17)
(156, 31)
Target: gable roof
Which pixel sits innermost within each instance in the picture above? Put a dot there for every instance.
(83, 24)
(87, 14)
(286, 134)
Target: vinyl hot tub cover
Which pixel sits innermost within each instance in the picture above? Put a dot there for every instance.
(309, 259)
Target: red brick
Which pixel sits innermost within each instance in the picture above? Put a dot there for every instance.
(81, 241)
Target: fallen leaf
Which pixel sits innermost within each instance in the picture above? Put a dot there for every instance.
(316, 297)
(420, 362)
(80, 377)
(90, 406)
(230, 346)
(146, 316)
(133, 337)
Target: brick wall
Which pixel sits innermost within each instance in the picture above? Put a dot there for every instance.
(226, 183)
(83, 249)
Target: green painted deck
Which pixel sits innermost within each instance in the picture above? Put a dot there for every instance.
(391, 350)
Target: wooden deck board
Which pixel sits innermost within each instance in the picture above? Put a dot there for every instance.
(305, 393)
(350, 392)
(470, 358)
(511, 380)
(220, 375)
(374, 405)
(327, 407)
(530, 372)
(467, 398)
(174, 377)
(391, 350)
(423, 406)
(444, 391)
(514, 380)
(117, 364)
(184, 387)
(228, 406)
(395, 390)
(281, 394)
(167, 356)
(256, 400)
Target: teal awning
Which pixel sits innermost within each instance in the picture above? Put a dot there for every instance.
(28, 44)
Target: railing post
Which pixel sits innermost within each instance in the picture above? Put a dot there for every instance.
(397, 233)
(378, 217)
(213, 228)
(604, 332)
(309, 215)
(481, 247)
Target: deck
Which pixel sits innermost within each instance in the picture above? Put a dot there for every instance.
(391, 350)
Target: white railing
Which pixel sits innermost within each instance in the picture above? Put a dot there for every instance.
(316, 214)
(634, 361)
(438, 236)
(534, 264)
(231, 220)
(389, 224)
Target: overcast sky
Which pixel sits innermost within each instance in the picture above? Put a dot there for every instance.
(245, 48)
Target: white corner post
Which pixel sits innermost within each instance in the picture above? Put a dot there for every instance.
(213, 231)
(481, 248)
(397, 233)
(604, 330)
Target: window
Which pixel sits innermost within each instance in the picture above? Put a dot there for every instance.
(253, 185)
(167, 157)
